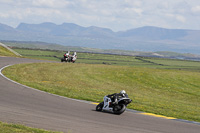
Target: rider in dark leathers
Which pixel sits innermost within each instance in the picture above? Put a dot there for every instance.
(116, 96)
(66, 55)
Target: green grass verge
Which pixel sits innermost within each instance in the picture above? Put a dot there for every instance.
(90, 58)
(6, 52)
(173, 93)
(15, 128)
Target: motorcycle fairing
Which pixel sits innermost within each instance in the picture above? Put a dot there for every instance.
(107, 103)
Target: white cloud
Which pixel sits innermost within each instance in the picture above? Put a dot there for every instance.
(181, 18)
(6, 1)
(176, 17)
(133, 3)
(114, 14)
(196, 9)
(3, 15)
(138, 10)
(51, 3)
(42, 12)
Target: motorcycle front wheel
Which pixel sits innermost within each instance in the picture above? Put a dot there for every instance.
(99, 107)
(120, 109)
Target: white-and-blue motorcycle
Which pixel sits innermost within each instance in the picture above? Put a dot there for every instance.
(117, 108)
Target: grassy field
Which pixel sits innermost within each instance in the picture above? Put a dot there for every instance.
(162, 86)
(90, 58)
(6, 52)
(14, 128)
(170, 92)
(87, 58)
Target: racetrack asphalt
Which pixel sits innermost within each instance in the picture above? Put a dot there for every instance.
(23, 105)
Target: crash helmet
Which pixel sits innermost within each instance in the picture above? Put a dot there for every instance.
(123, 92)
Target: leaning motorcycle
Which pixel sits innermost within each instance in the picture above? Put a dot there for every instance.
(65, 59)
(119, 108)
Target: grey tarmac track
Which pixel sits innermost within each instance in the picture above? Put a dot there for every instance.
(22, 105)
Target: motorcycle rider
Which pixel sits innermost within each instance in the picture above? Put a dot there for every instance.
(73, 57)
(66, 55)
(116, 96)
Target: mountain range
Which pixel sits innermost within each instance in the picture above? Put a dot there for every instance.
(146, 38)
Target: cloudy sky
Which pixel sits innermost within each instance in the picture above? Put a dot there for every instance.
(118, 15)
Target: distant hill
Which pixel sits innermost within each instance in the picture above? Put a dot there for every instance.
(146, 38)
(154, 33)
(65, 29)
(7, 29)
(62, 48)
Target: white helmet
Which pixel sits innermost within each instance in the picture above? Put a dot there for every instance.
(123, 92)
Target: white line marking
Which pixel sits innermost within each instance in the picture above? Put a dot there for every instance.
(40, 90)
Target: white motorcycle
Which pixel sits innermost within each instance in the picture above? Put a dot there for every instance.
(118, 108)
(69, 58)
